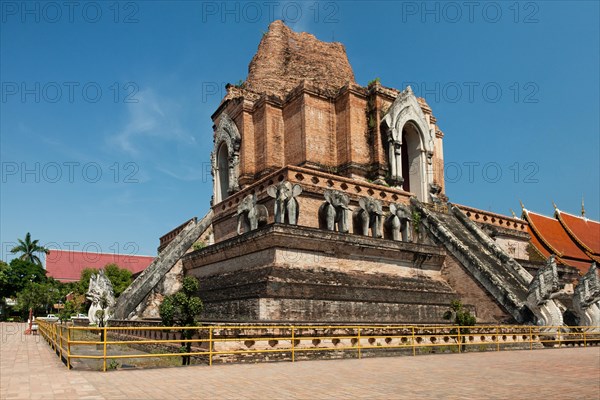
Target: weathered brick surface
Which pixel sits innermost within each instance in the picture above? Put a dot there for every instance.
(320, 131)
(302, 274)
(300, 106)
(470, 292)
(295, 152)
(286, 58)
(308, 309)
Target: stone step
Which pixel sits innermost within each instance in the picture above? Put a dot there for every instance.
(496, 271)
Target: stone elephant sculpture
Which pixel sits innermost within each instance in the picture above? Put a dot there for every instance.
(250, 215)
(369, 215)
(286, 204)
(334, 212)
(398, 223)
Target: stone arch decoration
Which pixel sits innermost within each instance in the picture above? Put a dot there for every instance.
(406, 112)
(227, 142)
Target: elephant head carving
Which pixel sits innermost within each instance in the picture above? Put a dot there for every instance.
(250, 215)
(398, 223)
(286, 204)
(369, 215)
(334, 211)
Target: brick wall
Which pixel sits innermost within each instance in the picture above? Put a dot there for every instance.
(470, 292)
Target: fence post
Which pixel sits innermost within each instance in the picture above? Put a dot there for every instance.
(559, 338)
(358, 343)
(104, 352)
(293, 345)
(210, 345)
(68, 347)
(459, 340)
(584, 341)
(413, 342)
(60, 342)
(497, 340)
(530, 337)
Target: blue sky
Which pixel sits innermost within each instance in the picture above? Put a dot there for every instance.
(105, 110)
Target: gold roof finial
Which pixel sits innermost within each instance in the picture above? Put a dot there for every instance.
(513, 213)
(582, 207)
(523, 212)
(554, 205)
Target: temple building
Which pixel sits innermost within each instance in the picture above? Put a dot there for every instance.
(67, 265)
(573, 240)
(329, 206)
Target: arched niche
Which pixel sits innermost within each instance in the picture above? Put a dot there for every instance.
(413, 160)
(225, 159)
(409, 143)
(222, 173)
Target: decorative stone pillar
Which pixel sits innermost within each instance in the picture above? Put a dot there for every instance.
(395, 157)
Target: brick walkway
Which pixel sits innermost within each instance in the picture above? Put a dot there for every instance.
(30, 370)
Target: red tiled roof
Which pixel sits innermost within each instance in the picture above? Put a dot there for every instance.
(584, 231)
(66, 266)
(553, 235)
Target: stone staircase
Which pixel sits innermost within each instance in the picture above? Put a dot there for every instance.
(151, 276)
(505, 279)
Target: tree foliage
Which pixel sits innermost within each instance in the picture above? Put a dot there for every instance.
(4, 271)
(18, 275)
(69, 309)
(461, 317)
(183, 309)
(28, 284)
(40, 297)
(29, 248)
(120, 278)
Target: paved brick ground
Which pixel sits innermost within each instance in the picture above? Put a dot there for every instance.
(30, 370)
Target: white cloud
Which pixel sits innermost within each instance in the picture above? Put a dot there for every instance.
(151, 120)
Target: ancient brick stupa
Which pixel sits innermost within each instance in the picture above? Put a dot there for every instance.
(329, 206)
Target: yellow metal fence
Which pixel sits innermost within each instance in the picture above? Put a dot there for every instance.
(216, 343)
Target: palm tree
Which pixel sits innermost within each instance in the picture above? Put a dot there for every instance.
(29, 248)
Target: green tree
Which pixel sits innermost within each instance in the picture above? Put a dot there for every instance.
(4, 270)
(18, 275)
(83, 284)
(38, 296)
(183, 309)
(4, 267)
(29, 249)
(120, 278)
(4, 279)
(69, 309)
(460, 317)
